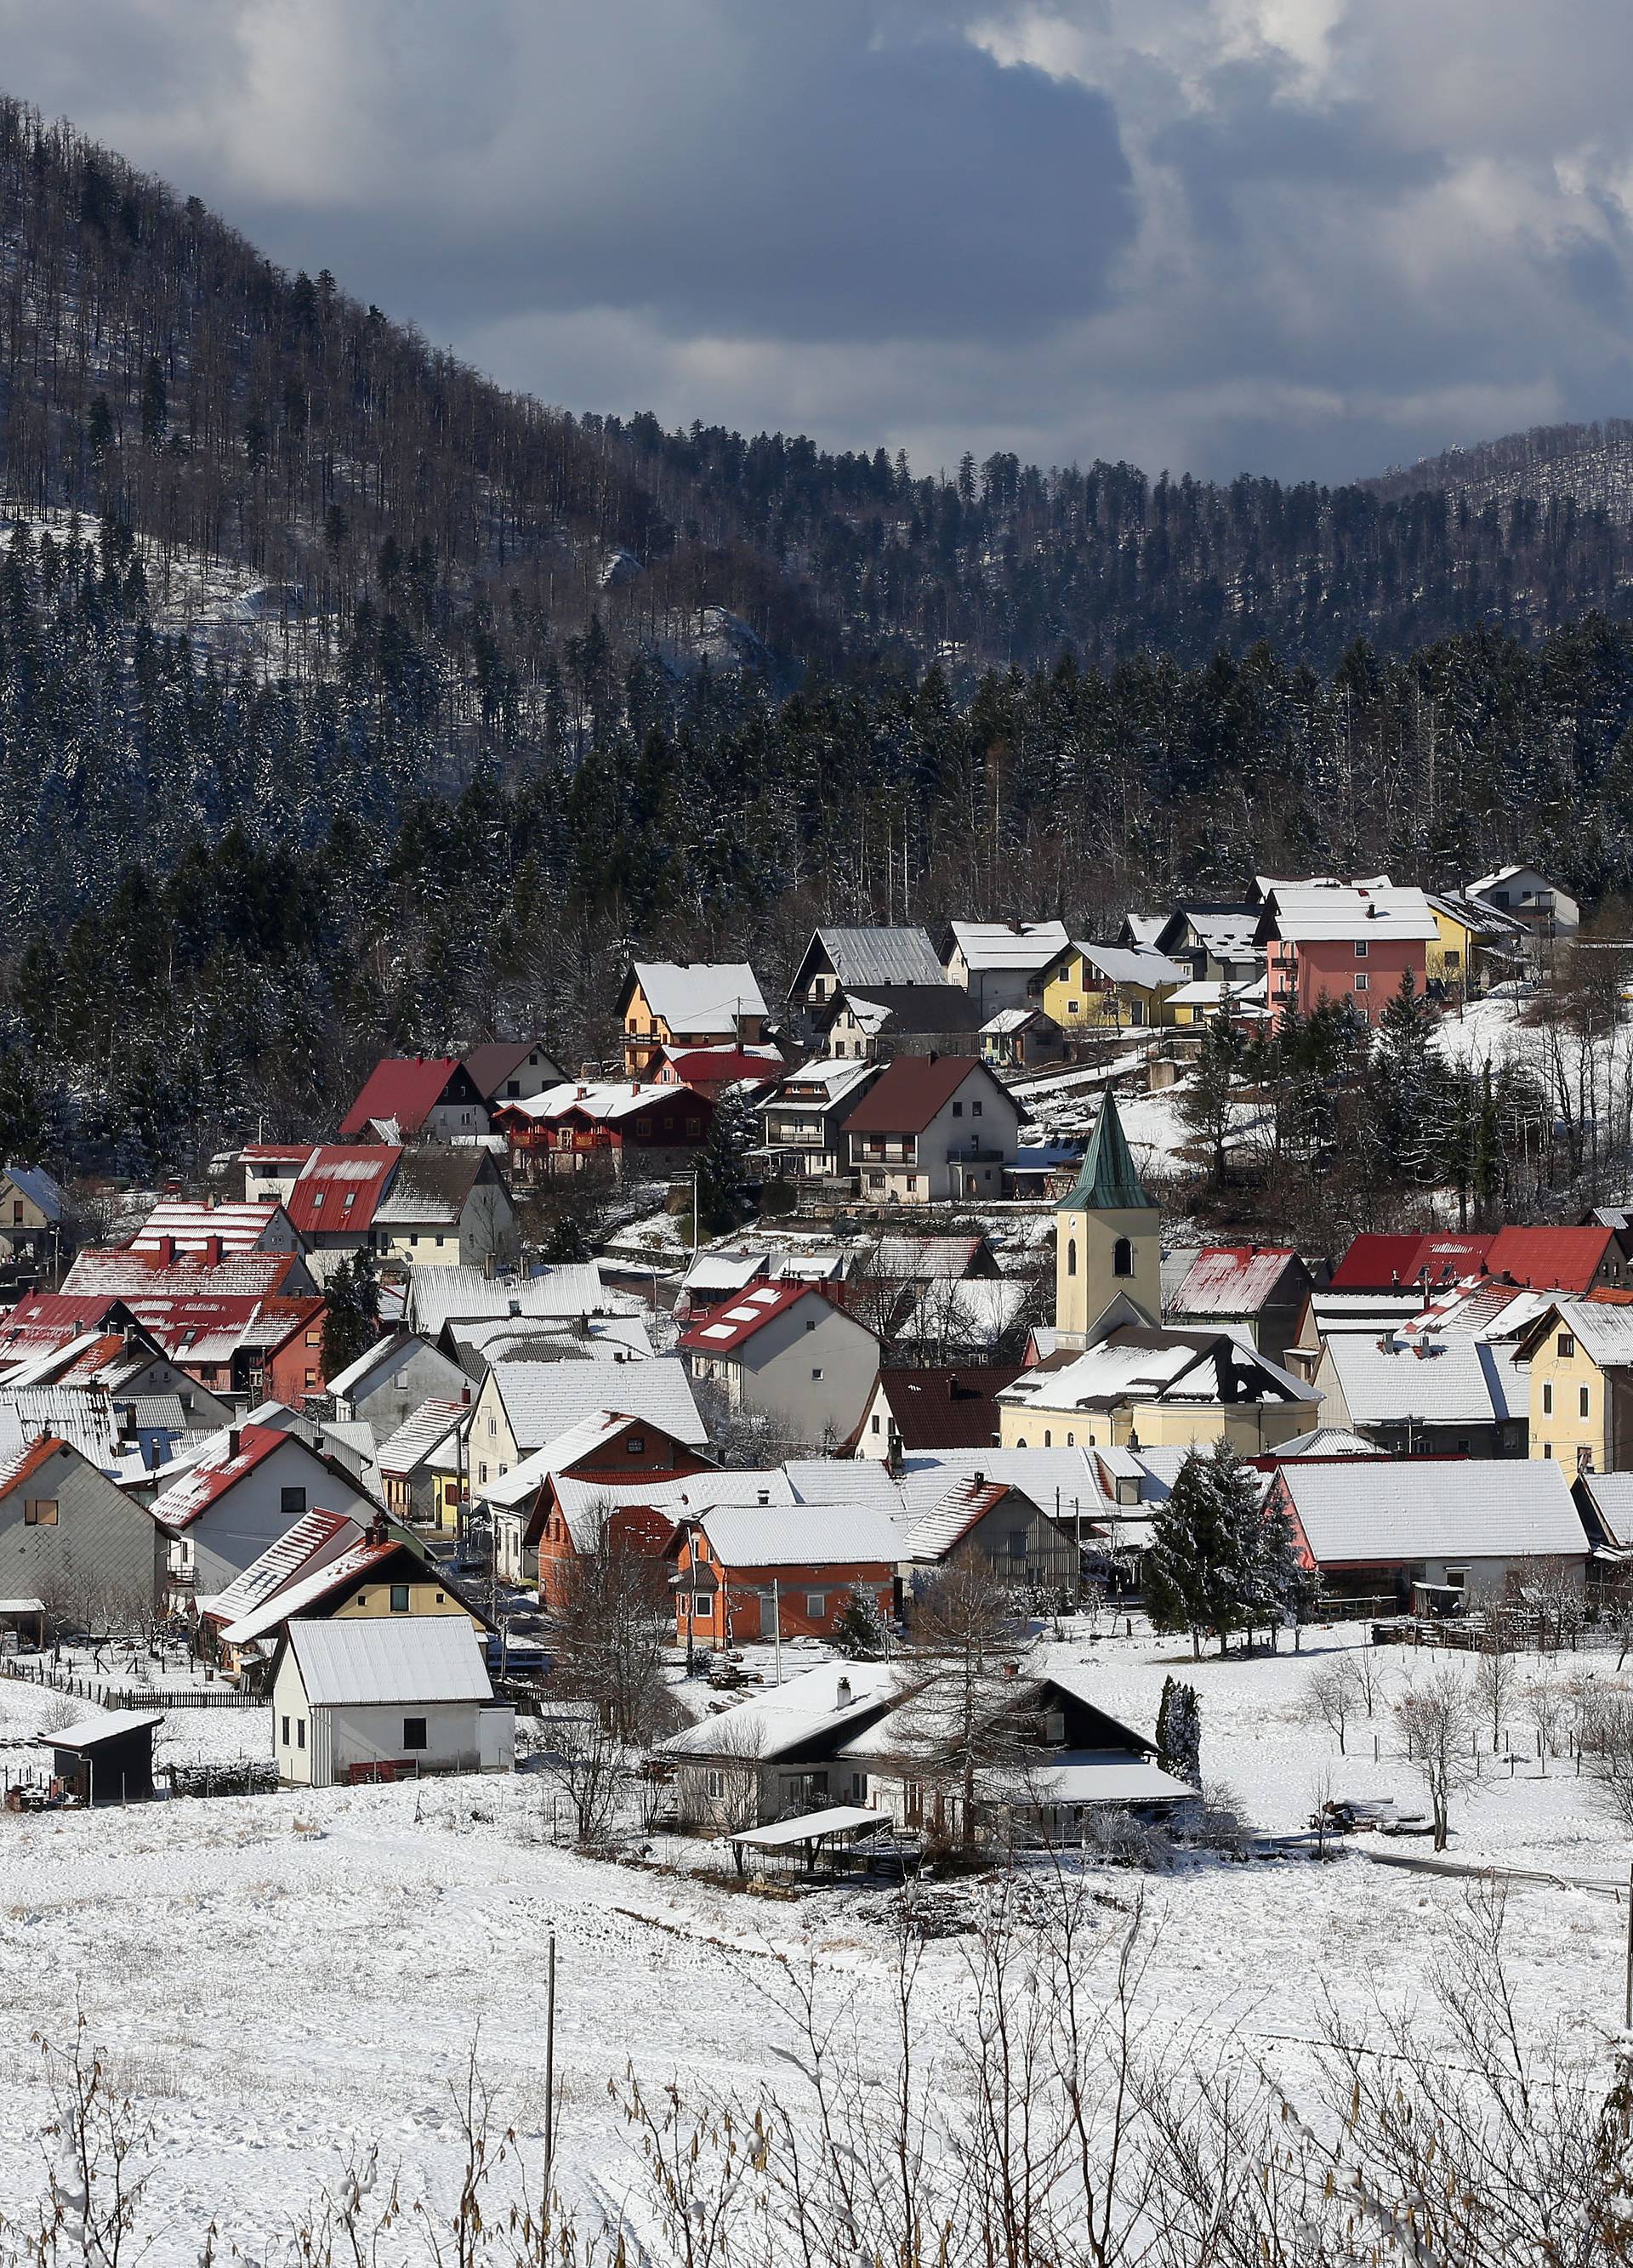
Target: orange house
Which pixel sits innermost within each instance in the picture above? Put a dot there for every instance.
(1343, 941)
(610, 1471)
(745, 1573)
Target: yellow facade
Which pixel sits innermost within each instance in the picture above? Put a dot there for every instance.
(1570, 1402)
(1100, 1253)
(1249, 1428)
(1073, 994)
(1450, 957)
(372, 1601)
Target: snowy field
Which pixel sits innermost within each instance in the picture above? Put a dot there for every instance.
(287, 1981)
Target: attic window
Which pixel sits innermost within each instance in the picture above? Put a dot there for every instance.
(1567, 1345)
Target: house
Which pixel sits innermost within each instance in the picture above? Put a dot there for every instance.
(1204, 1000)
(1107, 1235)
(523, 1405)
(1259, 1288)
(161, 1271)
(713, 1277)
(1438, 1397)
(334, 1195)
(1545, 910)
(1054, 1756)
(1111, 988)
(270, 1169)
(422, 1463)
(952, 1407)
(933, 1128)
(447, 1208)
(1353, 942)
(72, 1539)
(372, 1575)
(841, 959)
(393, 1378)
(51, 1340)
(1001, 964)
(1136, 1382)
(33, 1212)
(1571, 1260)
(992, 1520)
(744, 1572)
(778, 1754)
(180, 1224)
(608, 1472)
(690, 1004)
(1580, 1353)
(898, 1020)
(791, 1353)
(1218, 940)
(511, 1070)
(223, 1512)
(236, 1346)
(1021, 1039)
(802, 1125)
(416, 1099)
(1478, 945)
(659, 1128)
(711, 1072)
(359, 1700)
(1465, 1526)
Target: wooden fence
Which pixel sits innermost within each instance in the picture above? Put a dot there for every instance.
(128, 1697)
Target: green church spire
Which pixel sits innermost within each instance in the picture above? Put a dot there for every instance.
(1110, 1181)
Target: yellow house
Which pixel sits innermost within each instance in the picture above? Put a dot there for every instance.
(690, 1003)
(1451, 953)
(1156, 1389)
(1581, 1357)
(1111, 988)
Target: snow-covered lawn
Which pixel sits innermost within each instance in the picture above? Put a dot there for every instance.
(289, 1979)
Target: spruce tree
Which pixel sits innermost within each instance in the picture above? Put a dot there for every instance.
(1409, 1088)
(351, 1319)
(1206, 1099)
(859, 1629)
(1179, 1732)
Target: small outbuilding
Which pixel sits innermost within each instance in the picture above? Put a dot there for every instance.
(376, 1699)
(106, 1759)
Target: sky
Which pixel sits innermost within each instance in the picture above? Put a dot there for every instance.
(1309, 238)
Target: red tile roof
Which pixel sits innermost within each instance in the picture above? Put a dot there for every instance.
(1232, 1279)
(182, 1503)
(1377, 1264)
(335, 1172)
(911, 1091)
(724, 1329)
(26, 1462)
(407, 1088)
(1549, 1259)
(126, 1270)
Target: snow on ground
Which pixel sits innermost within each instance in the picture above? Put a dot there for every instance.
(285, 1980)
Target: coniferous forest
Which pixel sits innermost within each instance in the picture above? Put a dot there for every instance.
(348, 703)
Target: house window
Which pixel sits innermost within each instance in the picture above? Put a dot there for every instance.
(441, 1600)
(1547, 1448)
(40, 1512)
(1453, 960)
(1548, 1401)
(1360, 948)
(975, 1110)
(816, 1605)
(878, 1423)
(701, 1608)
(312, 1378)
(1017, 1543)
(301, 1731)
(314, 1339)
(482, 1473)
(1122, 1257)
(1566, 1345)
(292, 1502)
(1048, 1438)
(414, 1733)
(1362, 980)
(957, 1110)
(635, 1444)
(817, 1372)
(1582, 1408)
(399, 1598)
(1071, 1257)
(286, 1732)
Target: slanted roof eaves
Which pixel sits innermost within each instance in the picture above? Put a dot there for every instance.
(1109, 1180)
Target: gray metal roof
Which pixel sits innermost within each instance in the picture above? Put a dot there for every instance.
(1447, 1380)
(881, 956)
(426, 1657)
(1474, 1508)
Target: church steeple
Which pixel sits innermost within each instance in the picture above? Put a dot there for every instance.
(1107, 1235)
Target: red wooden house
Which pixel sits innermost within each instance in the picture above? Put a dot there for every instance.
(610, 1468)
(561, 1131)
(745, 1573)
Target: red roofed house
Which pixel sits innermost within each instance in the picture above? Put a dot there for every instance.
(933, 1128)
(1578, 1260)
(610, 1471)
(505, 1070)
(73, 1540)
(747, 1572)
(1260, 1287)
(223, 1512)
(49, 1339)
(711, 1070)
(1382, 1263)
(162, 1271)
(191, 1224)
(411, 1097)
(787, 1352)
(560, 1132)
(338, 1192)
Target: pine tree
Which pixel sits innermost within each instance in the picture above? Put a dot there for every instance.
(1179, 1732)
(722, 1167)
(1202, 1571)
(1409, 1088)
(859, 1629)
(351, 1319)
(1205, 1101)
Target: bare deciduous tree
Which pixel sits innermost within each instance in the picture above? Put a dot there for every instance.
(611, 1630)
(1332, 1695)
(1438, 1727)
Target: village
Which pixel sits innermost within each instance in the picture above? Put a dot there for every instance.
(889, 1500)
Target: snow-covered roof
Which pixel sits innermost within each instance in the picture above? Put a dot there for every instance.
(1133, 964)
(936, 1532)
(425, 1429)
(1603, 1327)
(1355, 1511)
(1233, 1280)
(701, 995)
(543, 1400)
(1613, 1499)
(1077, 1776)
(417, 1658)
(1451, 1382)
(383, 1355)
(583, 1501)
(821, 1083)
(844, 1480)
(1134, 1364)
(975, 1312)
(1310, 912)
(34, 1184)
(190, 1225)
(723, 1272)
(555, 1338)
(803, 1709)
(309, 1588)
(315, 1537)
(1327, 1441)
(438, 1295)
(1026, 946)
(800, 1535)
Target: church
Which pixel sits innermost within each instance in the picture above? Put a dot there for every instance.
(1108, 1236)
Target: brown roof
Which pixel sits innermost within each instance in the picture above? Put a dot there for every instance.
(947, 1408)
(490, 1064)
(911, 1091)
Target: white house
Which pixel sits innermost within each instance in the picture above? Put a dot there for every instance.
(1001, 964)
(390, 1381)
(522, 1405)
(788, 1351)
(934, 1128)
(378, 1699)
(221, 1515)
(1528, 895)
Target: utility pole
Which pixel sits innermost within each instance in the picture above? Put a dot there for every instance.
(550, 2066)
(777, 1626)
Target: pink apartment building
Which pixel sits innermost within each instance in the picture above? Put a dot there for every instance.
(1343, 941)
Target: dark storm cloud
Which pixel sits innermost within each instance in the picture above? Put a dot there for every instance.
(1301, 235)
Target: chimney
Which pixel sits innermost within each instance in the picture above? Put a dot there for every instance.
(979, 1479)
(166, 1251)
(212, 1252)
(234, 1441)
(842, 1695)
(377, 1528)
(763, 1496)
